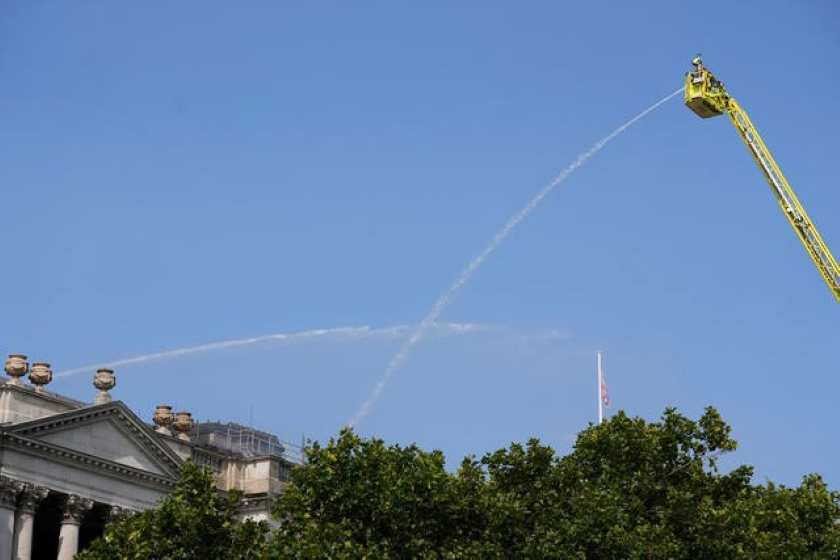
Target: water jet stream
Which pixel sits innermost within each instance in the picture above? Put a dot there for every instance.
(337, 332)
(446, 298)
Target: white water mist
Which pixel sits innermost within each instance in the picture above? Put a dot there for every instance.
(396, 331)
(446, 298)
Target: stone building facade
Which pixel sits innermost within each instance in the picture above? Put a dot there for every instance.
(67, 467)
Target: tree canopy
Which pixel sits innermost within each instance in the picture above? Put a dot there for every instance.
(194, 522)
(628, 489)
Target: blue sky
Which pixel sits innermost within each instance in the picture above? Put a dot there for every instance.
(202, 171)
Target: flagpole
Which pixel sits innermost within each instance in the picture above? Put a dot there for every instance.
(600, 380)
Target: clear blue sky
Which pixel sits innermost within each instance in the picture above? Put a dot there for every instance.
(174, 175)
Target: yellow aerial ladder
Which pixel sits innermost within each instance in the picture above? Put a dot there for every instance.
(707, 97)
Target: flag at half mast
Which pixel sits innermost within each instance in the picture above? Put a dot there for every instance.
(603, 394)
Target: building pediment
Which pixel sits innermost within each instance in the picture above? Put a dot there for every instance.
(110, 432)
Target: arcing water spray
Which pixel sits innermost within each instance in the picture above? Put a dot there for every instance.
(446, 298)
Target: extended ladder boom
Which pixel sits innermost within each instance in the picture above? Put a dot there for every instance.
(707, 97)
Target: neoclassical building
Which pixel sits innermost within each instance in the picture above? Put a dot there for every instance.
(67, 467)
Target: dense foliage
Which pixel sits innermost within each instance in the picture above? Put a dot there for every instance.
(194, 522)
(629, 489)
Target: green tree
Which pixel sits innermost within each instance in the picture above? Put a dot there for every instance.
(195, 522)
(361, 498)
(629, 489)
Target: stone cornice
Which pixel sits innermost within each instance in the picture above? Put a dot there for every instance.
(252, 503)
(170, 437)
(117, 411)
(44, 395)
(56, 453)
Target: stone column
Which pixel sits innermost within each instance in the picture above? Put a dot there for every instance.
(75, 508)
(25, 521)
(9, 490)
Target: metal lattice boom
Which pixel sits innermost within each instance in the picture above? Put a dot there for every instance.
(707, 97)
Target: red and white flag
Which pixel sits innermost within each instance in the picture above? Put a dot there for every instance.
(605, 395)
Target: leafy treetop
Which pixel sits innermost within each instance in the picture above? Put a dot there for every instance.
(630, 489)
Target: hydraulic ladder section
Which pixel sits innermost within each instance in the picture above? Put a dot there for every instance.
(707, 97)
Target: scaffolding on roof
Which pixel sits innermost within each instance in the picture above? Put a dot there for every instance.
(247, 441)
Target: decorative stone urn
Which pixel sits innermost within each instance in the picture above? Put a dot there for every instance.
(183, 424)
(104, 380)
(16, 367)
(163, 419)
(40, 375)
